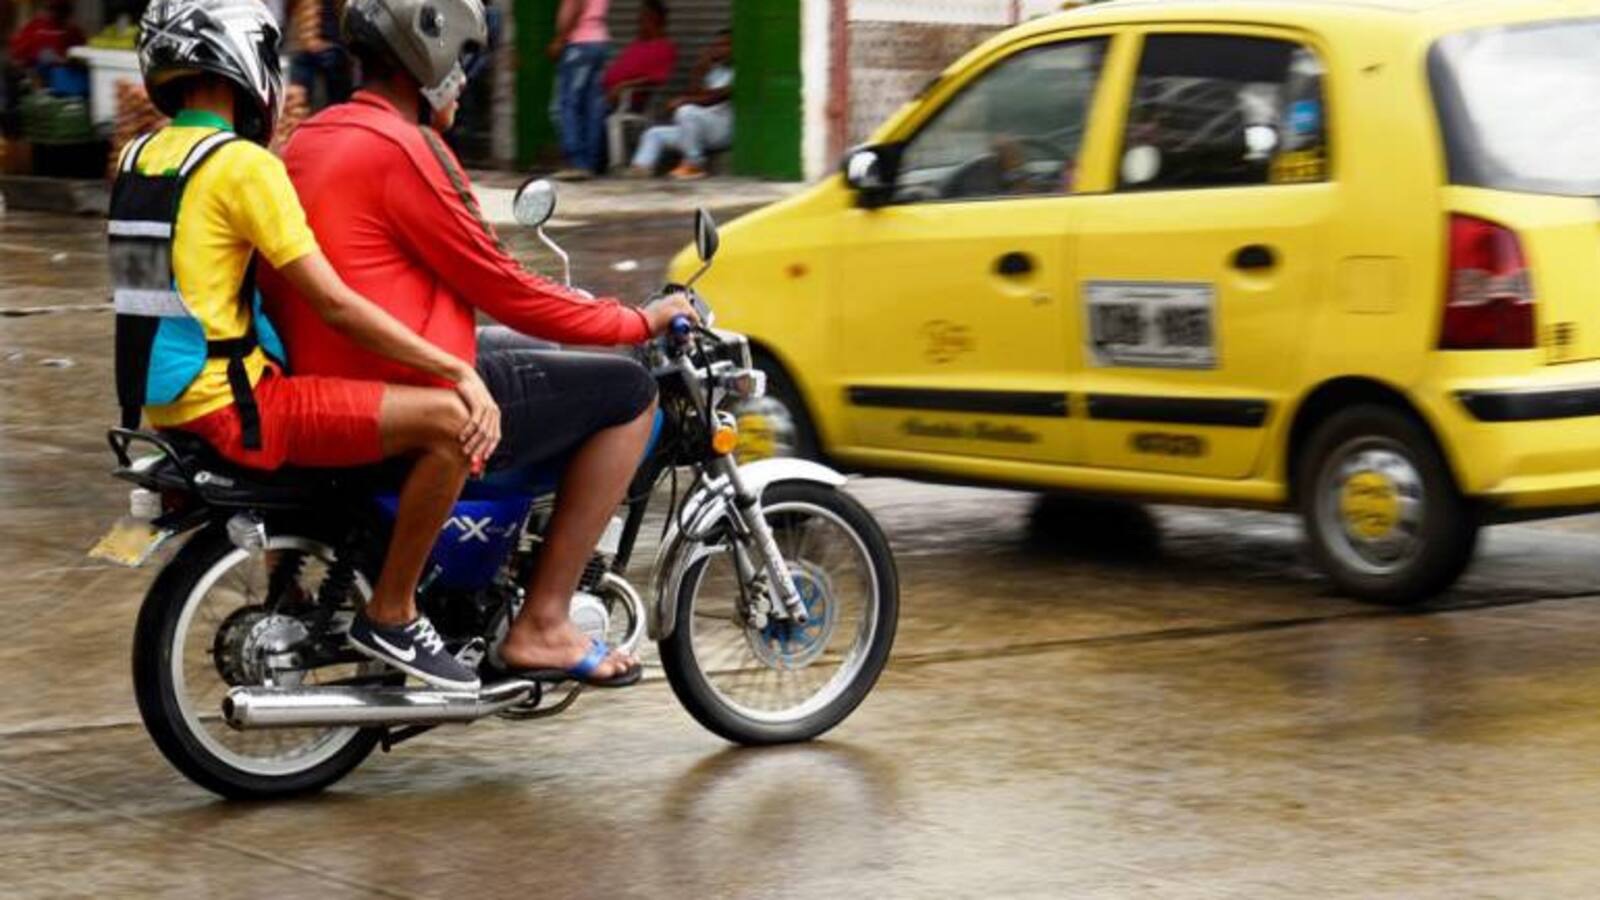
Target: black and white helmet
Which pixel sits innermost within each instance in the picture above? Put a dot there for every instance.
(235, 39)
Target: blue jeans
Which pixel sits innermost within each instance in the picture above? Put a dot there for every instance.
(583, 105)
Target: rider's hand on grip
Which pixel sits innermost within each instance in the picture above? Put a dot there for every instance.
(667, 311)
(482, 432)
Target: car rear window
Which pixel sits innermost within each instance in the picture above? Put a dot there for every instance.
(1520, 106)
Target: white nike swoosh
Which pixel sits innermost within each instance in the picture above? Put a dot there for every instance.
(409, 655)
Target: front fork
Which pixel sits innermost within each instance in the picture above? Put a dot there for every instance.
(753, 534)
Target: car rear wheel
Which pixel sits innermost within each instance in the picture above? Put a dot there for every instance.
(1382, 512)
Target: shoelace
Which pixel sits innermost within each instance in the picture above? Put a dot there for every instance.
(425, 634)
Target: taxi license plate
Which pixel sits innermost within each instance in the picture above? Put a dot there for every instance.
(1152, 325)
(130, 542)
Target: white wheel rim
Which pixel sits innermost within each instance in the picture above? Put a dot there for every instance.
(848, 667)
(306, 756)
(1371, 506)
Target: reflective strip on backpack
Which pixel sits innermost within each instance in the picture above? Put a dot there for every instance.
(202, 150)
(156, 304)
(120, 228)
(130, 156)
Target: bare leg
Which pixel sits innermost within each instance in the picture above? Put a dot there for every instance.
(424, 423)
(591, 489)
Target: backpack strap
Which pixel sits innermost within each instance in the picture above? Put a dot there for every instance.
(234, 350)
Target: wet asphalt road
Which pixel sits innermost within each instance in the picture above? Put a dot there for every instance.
(1085, 700)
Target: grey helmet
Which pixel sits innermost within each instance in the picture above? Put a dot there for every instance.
(431, 39)
(234, 39)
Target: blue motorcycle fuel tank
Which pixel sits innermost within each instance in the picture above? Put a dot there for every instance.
(483, 528)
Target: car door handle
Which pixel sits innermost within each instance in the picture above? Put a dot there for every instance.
(1013, 265)
(1255, 258)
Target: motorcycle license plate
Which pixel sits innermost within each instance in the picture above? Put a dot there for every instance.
(130, 542)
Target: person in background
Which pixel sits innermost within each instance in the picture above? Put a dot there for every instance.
(580, 48)
(702, 119)
(648, 61)
(315, 25)
(46, 38)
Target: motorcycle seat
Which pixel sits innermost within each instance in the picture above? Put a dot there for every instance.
(189, 462)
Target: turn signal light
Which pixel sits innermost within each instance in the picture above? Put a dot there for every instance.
(1489, 300)
(724, 440)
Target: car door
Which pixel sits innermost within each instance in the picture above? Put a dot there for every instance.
(1197, 271)
(953, 335)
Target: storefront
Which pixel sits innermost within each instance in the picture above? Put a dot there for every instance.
(766, 55)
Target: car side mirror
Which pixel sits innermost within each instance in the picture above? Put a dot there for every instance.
(534, 203)
(706, 237)
(871, 171)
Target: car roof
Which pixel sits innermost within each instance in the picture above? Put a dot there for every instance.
(1425, 15)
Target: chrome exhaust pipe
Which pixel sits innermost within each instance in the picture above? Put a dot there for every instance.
(247, 708)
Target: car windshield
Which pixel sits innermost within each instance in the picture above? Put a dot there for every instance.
(1520, 106)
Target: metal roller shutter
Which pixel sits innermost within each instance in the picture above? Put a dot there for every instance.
(691, 23)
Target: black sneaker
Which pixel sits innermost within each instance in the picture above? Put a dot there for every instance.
(415, 649)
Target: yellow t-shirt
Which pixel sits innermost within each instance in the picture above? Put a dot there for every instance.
(240, 200)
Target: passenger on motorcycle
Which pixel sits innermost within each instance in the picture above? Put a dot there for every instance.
(396, 214)
(195, 207)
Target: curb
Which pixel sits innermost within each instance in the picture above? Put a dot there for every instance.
(72, 196)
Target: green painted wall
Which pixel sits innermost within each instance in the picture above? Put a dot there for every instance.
(767, 102)
(536, 134)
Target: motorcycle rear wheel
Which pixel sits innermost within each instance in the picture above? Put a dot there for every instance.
(187, 726)
(773, 686)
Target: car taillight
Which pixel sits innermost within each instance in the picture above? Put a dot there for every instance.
(1489, 300)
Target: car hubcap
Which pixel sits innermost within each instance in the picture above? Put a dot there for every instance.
(1372, 506)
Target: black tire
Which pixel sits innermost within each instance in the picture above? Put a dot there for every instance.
(781, 387)
(153, 642)
(1446, 535)
(696, 694)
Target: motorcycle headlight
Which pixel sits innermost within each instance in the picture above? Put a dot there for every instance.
(746, 384)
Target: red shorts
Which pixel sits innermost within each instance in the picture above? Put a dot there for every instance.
(306, 420)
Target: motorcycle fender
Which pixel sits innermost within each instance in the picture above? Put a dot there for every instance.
(697, 519)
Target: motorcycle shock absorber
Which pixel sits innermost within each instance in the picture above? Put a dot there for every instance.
(286, 569)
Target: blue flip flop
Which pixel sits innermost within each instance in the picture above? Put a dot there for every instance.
(583, 671)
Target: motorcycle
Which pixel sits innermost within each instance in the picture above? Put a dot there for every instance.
(773, 597)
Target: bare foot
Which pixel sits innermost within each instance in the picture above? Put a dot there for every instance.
(558, 648)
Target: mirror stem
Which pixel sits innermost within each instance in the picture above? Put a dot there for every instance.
(566, 261)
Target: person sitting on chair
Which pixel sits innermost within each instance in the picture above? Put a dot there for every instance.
(702, 118)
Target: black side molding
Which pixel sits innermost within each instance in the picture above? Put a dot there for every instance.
(1531, 406)
(1178, 410)
(1043, 404)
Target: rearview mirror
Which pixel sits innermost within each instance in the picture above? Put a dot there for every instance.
(706, 238)
(534, 203)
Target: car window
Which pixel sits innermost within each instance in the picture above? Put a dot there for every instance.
(1014, 131)
(1220, 110)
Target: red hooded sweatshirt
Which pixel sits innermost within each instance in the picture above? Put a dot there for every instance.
(394, 213)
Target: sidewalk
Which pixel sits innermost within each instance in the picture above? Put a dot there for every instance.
(614, 198)
(579, 202)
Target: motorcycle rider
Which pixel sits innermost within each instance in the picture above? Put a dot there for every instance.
(396, 214)
(194, 207)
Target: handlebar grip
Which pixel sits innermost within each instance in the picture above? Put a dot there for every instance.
(682, 326)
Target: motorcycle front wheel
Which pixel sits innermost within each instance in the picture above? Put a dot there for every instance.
(210, 623)
(759, 683)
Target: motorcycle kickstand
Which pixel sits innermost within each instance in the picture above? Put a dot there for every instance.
(394, 737)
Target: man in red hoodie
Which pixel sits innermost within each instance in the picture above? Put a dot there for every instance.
(396, 216)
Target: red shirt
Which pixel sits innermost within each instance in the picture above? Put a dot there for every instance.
(394, 213)
(647, 61)
(44, 33)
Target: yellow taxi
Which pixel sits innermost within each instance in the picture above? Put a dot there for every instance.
(1338, 257)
